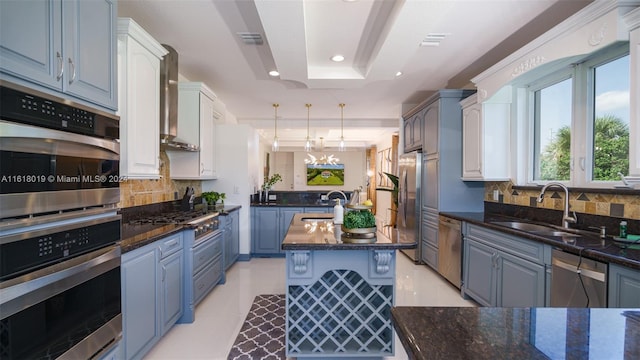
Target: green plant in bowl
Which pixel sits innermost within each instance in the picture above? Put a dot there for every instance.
(212, 197)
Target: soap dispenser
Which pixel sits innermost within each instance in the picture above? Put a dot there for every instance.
(338, 212)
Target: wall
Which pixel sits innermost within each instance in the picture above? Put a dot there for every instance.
(238, 169)
(143, 192)
(587, 202)
(354, 161)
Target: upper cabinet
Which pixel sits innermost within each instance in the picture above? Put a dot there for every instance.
(198, 112)
(412, 131)
(69, 48)
(139, 57)
(485, 140)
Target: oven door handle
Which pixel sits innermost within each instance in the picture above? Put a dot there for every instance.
(53, 280)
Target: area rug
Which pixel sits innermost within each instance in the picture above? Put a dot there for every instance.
(262, 333)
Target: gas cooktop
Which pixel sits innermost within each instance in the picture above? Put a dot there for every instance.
(175, 217)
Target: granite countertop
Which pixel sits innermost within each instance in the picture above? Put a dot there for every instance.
(137, 236)
(587, 244)
(289, 204)
(228, 209)
(318, 232)
(517, 333)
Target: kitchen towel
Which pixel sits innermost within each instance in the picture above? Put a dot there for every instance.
(262, 333)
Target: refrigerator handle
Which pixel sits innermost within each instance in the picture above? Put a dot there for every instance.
(403, 196)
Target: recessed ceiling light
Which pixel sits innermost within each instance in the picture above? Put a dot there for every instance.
(337, 58)
(399, 73)
(274, 73)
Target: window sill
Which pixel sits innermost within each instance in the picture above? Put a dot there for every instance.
(616, 191)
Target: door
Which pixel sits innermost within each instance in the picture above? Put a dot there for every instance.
(521, 283)
(479, 272)
(265, 230)
(171, 277)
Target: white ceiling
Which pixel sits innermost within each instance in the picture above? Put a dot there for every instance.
(378, 38)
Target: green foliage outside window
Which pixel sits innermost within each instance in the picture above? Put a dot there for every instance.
(611, 152)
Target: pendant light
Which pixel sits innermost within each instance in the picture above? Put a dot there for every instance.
(276, 144)
(307, 143)
(341, 146)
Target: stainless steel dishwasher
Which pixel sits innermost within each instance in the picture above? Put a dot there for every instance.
(577, 281)
(450, 250)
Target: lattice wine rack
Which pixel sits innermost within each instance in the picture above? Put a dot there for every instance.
(340, 314)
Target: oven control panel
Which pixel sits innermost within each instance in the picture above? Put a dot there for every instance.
(43, 248)
(206, 227)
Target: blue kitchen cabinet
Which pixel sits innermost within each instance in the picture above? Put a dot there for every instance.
(504, 270)
(624, 287)
(269, 227)
(152, 288)
(231, 234)
(69, 48)
(265, 231)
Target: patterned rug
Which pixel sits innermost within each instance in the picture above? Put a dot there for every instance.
(262, 334)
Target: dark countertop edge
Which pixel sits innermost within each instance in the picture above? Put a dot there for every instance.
(404, 335)
(350, 246)
(136, 244)
(290, 205)
(474, 218)
(229, 209)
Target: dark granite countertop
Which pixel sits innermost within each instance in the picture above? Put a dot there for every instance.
(588, 244)
(290, 204)
(228, 209)
(517, 333)
(320, 233)
(137, 236)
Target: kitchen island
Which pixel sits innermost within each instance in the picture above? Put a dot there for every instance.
(339, 294)
(518, 333)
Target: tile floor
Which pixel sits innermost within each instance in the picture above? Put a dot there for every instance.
(221, 314)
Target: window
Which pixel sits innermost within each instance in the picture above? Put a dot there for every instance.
(580, 121)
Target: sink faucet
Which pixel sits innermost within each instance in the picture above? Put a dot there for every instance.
(566, 218)
(338, 191)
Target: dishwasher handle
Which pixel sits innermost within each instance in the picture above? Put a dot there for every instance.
(595, 275)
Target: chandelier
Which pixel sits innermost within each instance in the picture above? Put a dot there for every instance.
(275, 145)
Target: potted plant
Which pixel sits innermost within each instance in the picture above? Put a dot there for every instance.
(268, 184)
(395, 180)
(212, 198)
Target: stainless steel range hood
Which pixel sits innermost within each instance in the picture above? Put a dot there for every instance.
(169, 138)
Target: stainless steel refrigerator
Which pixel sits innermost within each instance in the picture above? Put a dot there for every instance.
(408, 221)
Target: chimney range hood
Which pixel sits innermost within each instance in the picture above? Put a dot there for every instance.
(169, 138)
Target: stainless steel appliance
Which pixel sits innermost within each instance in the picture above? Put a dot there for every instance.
(577, 281)
(54, 155)
(60, 288)
(450, 250)
(204, 262)
(59, 228)
(408, 221)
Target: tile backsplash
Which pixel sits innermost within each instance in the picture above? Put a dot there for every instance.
(144, 192)
(584, 201)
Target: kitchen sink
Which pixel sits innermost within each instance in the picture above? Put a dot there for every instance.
(534, 228)
(315, 219)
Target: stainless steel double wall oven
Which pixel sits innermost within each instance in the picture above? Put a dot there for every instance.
(59, 228)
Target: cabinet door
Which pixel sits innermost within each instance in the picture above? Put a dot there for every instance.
(265, 229)
(407, 134)
(139, 306)
(172, 288)
(89, 40)
(472, 142)
(33, 53)
(624, 287)
(431, 126)
(235, 235)
(207, 137)
(479, 272)
(417, 124)
(139, 80)
(521, 283)
(430, 184)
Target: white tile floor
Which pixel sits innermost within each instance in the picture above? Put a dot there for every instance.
(221, 314)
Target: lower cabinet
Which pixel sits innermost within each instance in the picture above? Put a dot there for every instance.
(624, 287)
(152, 287)
(504, 270)
(231, 234)
(269, 226)
(429, 238)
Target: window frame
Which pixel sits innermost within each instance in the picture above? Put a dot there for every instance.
(582, 118)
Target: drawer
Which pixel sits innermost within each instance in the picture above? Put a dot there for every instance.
(521, 247)
(429, 255)
(206, 280)
(430, 233)
(170, 245)
(206, 252)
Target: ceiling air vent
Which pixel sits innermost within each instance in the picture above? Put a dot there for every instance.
(250, 38)
(433, 39)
